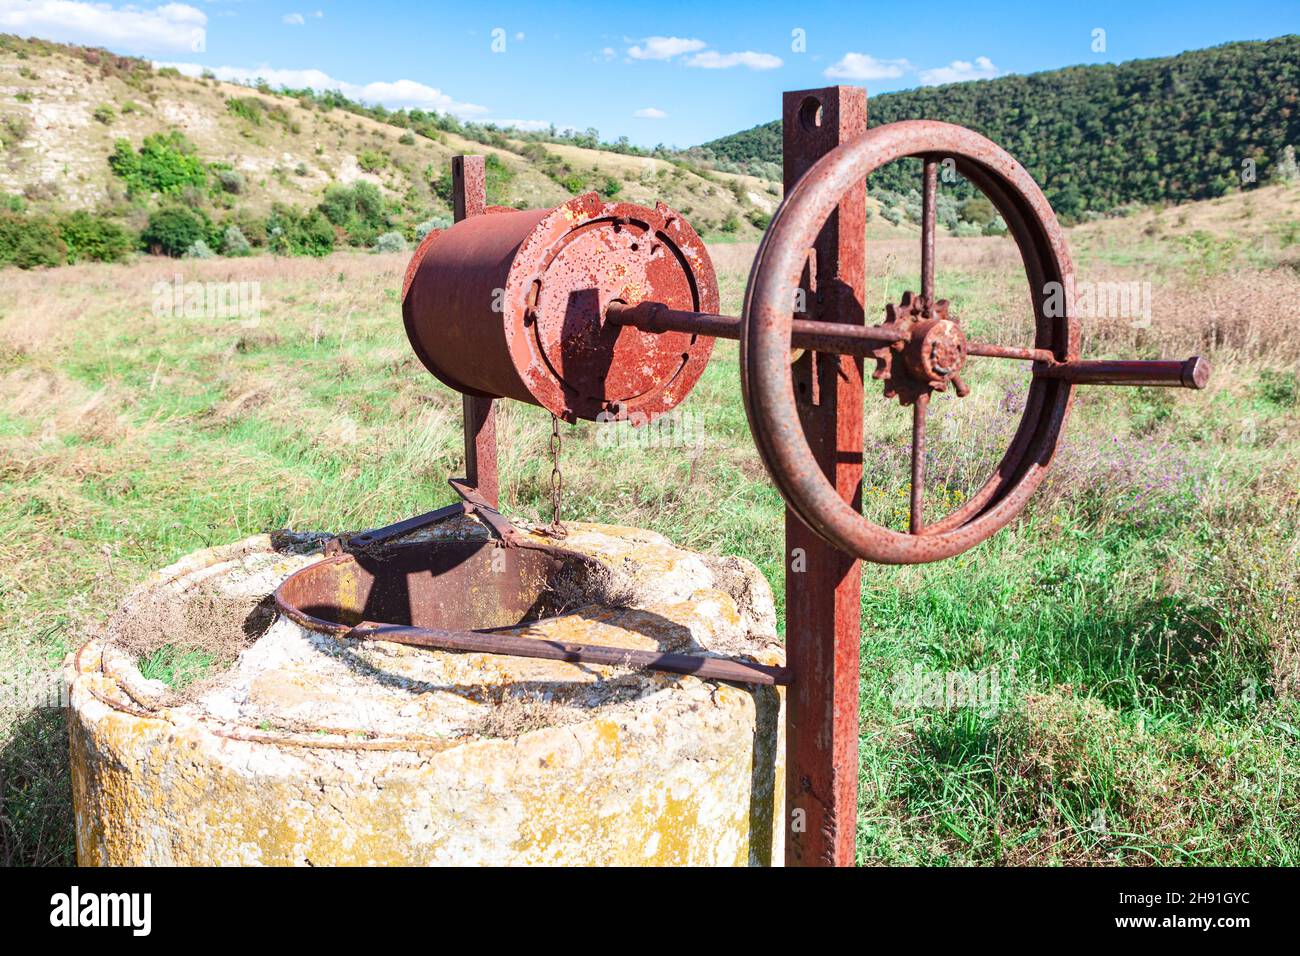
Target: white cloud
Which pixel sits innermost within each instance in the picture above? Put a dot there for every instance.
(959, 71)
(299, 19)
(650, 112)
(864, 66)
(664, 48)
(713, 60)
(397, 93)
(169, 28)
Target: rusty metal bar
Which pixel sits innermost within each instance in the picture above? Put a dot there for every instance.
(930, 187)
(919, 408)
(1191, 373)
(856, 340)
(859, 341)
(824, 584)
(1010, 352)
(469, 198)
(406, 526)
(486, 642)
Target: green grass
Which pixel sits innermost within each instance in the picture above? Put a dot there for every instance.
(1141, 616)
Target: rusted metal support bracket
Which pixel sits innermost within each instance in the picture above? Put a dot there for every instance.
(469, 198)
(823, 584)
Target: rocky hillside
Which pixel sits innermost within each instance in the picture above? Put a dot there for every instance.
(84, 129)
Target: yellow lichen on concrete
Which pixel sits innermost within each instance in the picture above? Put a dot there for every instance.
(312, 751)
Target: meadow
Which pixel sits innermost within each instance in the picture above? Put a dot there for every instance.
(1133, 636)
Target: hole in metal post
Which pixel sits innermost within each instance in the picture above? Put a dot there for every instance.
(810, 113)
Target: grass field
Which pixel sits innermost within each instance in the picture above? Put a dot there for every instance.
(1132, 637)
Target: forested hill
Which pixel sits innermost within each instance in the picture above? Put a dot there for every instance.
(1098, 137)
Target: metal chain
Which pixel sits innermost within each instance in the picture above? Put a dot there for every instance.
(556, 529)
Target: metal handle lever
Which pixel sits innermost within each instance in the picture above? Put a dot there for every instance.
(1191, 373)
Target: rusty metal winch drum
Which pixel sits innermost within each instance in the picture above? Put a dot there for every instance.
(512, 305)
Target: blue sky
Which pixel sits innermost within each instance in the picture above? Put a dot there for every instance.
(673, 72)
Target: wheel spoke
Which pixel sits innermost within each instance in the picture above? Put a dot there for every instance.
(1009, 352)
(931, 184)
(918, 462)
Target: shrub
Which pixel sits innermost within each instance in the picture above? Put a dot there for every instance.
(200, 250)
(730, 224)
(246, 107)
(1286, 170)
(390, 242)
(253, 228)
(230, 181)
(429, 225)
(165, 163)
(359, 210)
(1280, 388)
(371, 161)
(294, 233)
(28, 242)
(235, 243)
(978, 210)
(442, 185)
(759, 219)
(611, 187)
(13, 130)
(94, 239)
(173, 230)
(407, 139)
(105, 114)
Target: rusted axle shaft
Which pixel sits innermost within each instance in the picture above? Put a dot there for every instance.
(860, 340)
(1189, 373)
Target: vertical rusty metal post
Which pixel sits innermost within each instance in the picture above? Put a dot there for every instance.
(823, 584)
(469, 198)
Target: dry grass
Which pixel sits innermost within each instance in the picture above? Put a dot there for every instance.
(1152, 578)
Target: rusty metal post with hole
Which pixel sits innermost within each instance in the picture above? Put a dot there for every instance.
(469, 198)
(823, 584)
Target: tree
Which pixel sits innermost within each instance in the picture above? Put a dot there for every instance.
(165, 163)
(172, 230)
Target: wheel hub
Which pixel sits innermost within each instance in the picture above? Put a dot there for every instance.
(930, 355)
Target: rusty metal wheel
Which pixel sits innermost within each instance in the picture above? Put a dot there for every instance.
(927, 358)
